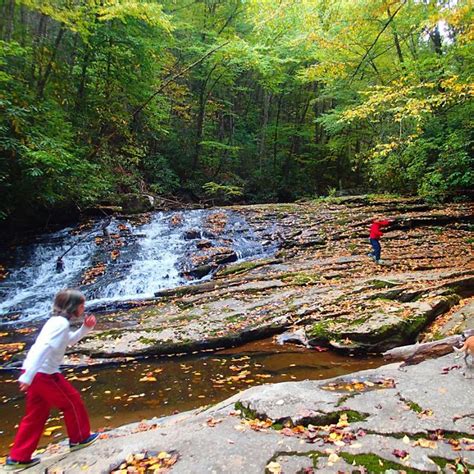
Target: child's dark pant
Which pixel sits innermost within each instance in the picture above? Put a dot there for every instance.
(376, 248)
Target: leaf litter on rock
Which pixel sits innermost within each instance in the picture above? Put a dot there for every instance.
(148, 461)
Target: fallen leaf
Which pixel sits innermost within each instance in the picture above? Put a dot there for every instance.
(213, 422)
(425, 443)
(273, 467)
(400, 453)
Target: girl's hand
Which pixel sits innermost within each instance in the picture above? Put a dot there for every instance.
(24, 387)
(90, 321)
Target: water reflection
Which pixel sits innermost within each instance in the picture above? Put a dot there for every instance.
(156, 387)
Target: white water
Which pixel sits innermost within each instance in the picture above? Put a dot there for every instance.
(148, 263)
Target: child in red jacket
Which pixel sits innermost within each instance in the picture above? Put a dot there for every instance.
(375, 234)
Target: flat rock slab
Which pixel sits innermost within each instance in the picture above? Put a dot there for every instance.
(322, 280)
(415, 419)
(366, 314)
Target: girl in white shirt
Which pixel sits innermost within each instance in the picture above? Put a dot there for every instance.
(46, 387)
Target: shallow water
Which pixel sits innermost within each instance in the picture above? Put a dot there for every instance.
(115, 395)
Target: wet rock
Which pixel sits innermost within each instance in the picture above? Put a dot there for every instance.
(215, 223)
(226, 256)
(199, 272)
(293, 337)
(461, 320)
(221, 439)
(203, 244)
(192, 234)
(137, 203)
(200, 265)
(304, 239)
(379, 330)
(212, 256)
(176, 219)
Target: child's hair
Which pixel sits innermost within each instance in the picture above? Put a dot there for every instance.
(66, 302)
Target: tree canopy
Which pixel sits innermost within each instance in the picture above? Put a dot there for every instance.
(254, 100)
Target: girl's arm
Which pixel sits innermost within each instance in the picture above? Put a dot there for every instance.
(76, 336)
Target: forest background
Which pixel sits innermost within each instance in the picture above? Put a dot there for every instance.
(232, 100)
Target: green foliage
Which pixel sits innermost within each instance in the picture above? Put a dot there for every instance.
(257, 100)
(162, 179)
(225, 193)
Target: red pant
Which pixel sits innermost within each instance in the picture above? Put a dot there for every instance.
(45, 392)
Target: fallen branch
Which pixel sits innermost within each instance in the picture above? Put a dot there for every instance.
(415, 353)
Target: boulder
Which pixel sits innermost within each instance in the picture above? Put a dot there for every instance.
(191, 234)
(203, 244)
(136, 203)
(198, 272)
(176, 219)
(293, 337)
(202, 263)
(382, 328)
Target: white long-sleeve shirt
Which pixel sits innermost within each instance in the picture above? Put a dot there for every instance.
(47, 353)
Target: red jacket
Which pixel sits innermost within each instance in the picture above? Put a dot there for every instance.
(375, 232)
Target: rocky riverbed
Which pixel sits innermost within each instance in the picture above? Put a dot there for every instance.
(322, 283)
(321, 280)
(418, 419)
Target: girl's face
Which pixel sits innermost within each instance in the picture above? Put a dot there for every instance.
(80, 309)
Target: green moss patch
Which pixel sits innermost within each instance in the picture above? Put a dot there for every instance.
(318, 419)
(375, 464)
(243, 267)
(300, 278)
(320, 331)
(147, 341)
(457, 465)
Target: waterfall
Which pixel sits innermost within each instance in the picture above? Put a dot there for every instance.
(149, 260)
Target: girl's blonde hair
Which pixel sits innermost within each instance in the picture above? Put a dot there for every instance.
(66, 302)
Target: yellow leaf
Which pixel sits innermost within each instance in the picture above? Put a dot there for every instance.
(342, 421)
(274, 467)
(426, 443)
(49, 431)
(155, 467)
(148, 379)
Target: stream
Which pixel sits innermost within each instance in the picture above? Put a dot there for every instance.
(152, 255)
(128, 392)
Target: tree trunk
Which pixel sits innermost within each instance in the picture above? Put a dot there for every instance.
(396, 41)
(201, 115)
(199, 124)
(72, 59)
(8, 20)
(436, 39)
(44, 79)
(275, 134)
(81, 89)
(37, 41)
(267, 97)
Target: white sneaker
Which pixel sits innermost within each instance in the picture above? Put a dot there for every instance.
(379, 262)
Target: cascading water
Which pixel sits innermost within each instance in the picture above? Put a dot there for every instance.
(149, 261)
